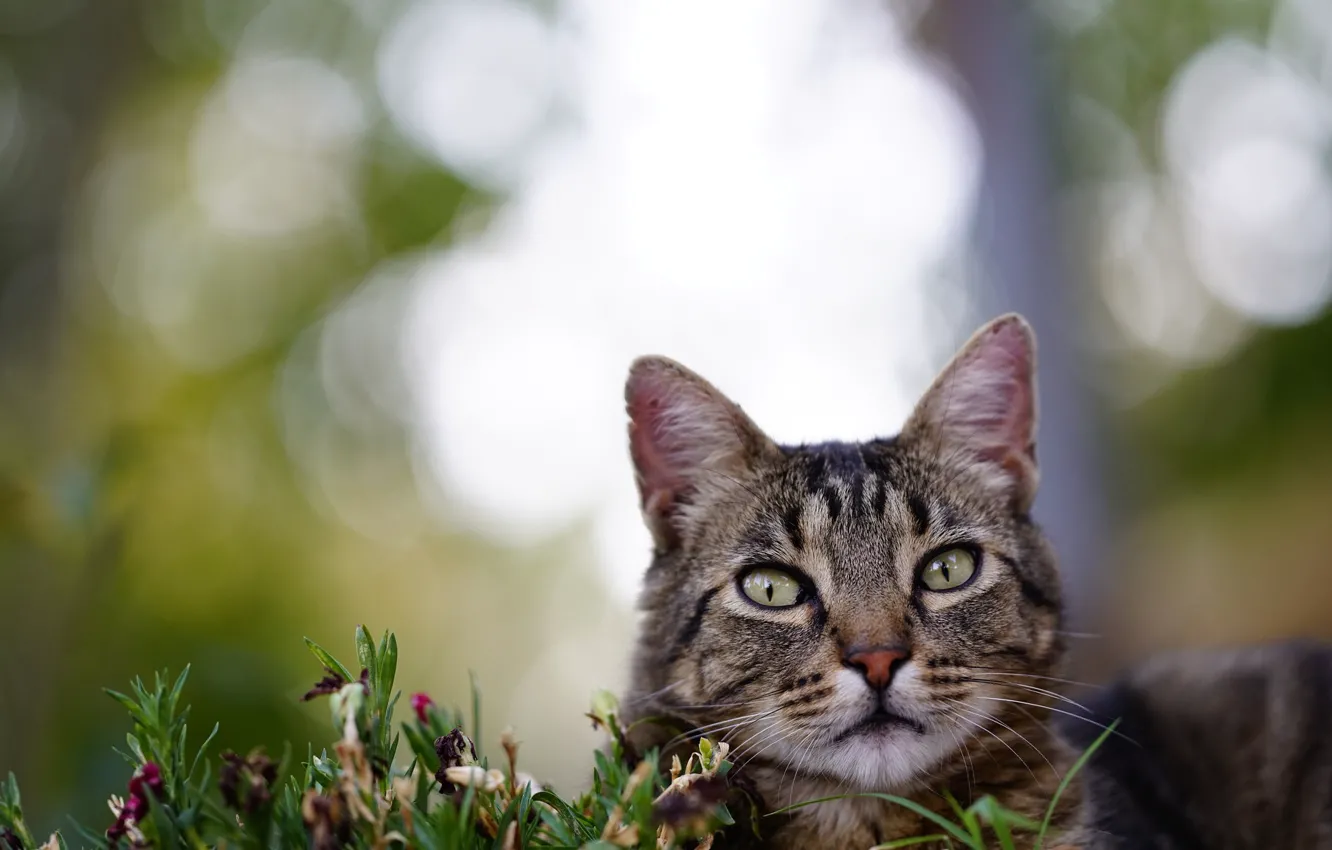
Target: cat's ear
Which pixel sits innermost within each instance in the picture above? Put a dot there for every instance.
(687, 441)
(982, 408)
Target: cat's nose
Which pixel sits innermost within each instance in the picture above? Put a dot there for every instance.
(876, 663)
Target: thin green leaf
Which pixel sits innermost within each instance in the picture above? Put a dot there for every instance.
(1001, 820)
(135, 710)
(327, 659)
(1068, 777)
(972, 824)
(91, 838)
(388, 664)
(161, 818)
(582, 828)
(955, 805)
(174, 696)
(365, 651)
(136, 747)
(388, 709)
(938, 819)
(202, 747)
(911, 842)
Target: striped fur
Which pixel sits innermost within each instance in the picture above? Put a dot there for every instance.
(1228, 750)
(856, 522)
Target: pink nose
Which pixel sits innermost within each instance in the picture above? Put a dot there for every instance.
(876, 663)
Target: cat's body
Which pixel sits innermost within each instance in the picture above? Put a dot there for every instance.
(873, 617)
(1221, 750)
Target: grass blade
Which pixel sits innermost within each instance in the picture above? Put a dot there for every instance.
(365, 651)
(1068, 777)
(910, 842)
(939, 820)
(327, 659)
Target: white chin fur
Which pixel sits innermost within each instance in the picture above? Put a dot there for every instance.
(887, 760)
(884, 759)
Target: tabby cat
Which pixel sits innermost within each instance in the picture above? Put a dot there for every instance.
(885, 616)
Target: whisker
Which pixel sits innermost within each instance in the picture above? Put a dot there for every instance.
(987, 716)
(1036, 690)
(968, 767)
(805, 752)
(1098, 725)
(706, 706)
(719, 726)
(753, 743)
(741, 704)
(998, 671)
(1026, 712)
(647, 697)
(990, 732)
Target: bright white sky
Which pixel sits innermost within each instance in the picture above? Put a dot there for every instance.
(766, 190)
(771, 191)
(762, 190)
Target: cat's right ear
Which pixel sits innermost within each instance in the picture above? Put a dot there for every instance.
(688, 441)
(982, 408)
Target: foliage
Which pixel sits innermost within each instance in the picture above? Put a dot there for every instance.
(969, 830)
(443, 797)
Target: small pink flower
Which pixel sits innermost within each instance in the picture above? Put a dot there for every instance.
(135, 807)
(150, 777)
(421, 704)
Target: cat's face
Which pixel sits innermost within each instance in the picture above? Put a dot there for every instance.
(855, 611)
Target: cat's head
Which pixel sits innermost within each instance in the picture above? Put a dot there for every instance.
(855, 610)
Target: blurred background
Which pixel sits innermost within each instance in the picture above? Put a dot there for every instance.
(317, 312)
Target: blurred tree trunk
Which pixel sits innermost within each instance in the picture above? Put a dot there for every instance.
(65, 71)
(1026, 267)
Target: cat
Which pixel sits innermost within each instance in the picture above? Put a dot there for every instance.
(885, 616)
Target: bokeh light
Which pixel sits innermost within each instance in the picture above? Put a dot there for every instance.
(785, 292)
(318, 312)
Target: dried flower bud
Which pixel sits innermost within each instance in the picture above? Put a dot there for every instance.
(473, 776)
(346, 706)
(330, 684)
(689, 807)
(327, 820)
(522, 780)
(454, 750)
(605, 706)
(623, 836)
(421, 704)
(247, 783)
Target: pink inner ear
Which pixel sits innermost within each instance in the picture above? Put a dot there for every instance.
(995, 398)
(649, 444)
(674, 428)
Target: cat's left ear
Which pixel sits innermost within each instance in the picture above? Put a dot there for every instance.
(982, 408)
(689, 444)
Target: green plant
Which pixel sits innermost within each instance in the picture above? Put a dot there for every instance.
(969, 829)
(439, 795)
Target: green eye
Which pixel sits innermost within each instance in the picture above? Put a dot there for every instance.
(771, 587)
(948, 570)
